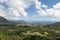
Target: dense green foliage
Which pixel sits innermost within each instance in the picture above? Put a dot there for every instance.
(28, 33)
(9, 31)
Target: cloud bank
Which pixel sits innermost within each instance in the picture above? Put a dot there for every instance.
(44, 11)
(14, 7)
(17, 8)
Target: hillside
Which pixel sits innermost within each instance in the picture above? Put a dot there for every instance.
(3, 20)
(55, 26)
(8, 31)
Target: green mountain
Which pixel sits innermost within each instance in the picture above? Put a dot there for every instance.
(3, 20)
(55, 26)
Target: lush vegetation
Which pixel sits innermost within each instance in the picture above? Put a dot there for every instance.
(28, 33)
(9, 31)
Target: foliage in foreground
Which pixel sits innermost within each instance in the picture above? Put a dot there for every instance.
(28, 33)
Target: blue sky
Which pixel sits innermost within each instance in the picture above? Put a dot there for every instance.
(30, 10)
(50, 3)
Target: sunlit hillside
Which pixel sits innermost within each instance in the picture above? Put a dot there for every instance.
(26, 32)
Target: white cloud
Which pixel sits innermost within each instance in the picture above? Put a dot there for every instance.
(37, 4)
(57, 13)
(56, 6)
(14, 12)
(48, 12)
(38, 7)
(45, 6)
(16, 7)
(2, 1)
(20, 7)
(2, 12)
(41, 13)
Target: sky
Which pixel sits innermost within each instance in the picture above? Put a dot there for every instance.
(30, 10)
